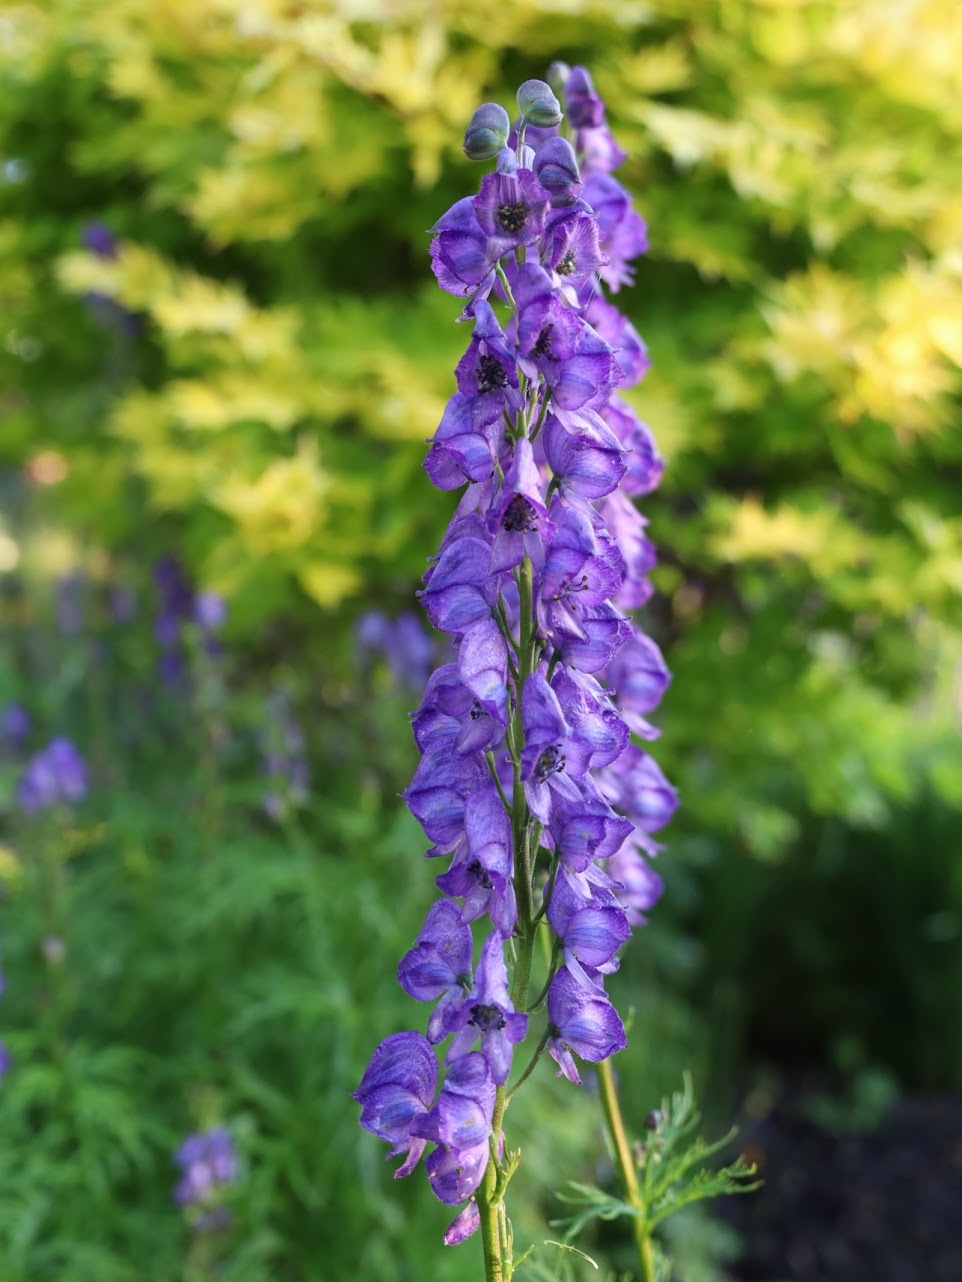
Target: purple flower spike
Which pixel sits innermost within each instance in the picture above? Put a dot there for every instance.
(488, 1013)
(396, 1090)
(548, 679)
(439, 966)
(583, 1021)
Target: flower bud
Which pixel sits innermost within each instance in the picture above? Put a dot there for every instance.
(584, 108)
(487, 133)
(538, 105)
(558, 74)
(556, 169)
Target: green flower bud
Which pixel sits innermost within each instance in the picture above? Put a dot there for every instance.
(558, 73)
(487, 133)
(538, 105)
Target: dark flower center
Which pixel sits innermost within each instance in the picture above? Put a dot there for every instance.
(487, 1018)
(567, 264)
(513, 217)
(543, 346)
(491, 375)
(476, 711)
(551, 762)
(482, 878)
(519, 516)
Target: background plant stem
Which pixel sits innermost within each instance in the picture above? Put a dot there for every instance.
(626, 1168)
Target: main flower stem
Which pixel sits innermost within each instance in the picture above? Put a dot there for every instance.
(626, 1168)
(490, 1192)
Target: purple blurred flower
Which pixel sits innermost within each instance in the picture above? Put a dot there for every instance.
(210, 611)
(403, 642)
(14, 725)
(284, 761)
(57, 775)
(208, 1162)
(98, 238)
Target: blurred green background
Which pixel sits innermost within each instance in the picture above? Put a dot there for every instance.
(222, 343)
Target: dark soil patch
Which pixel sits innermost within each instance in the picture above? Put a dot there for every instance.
(879, 1207)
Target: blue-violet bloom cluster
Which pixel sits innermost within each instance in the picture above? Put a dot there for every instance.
(208, 1163)
(55, 776)
(534, 784)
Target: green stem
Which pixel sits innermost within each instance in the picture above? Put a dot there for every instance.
(494, 1241)
(539, 1051)
(489, 758)
(506, 287)
(626, 1168)
(537, 427)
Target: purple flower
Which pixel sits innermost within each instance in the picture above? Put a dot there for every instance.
(396, 1090)
(623, 232)
(555, 343)
(480, 872)
(573, 251)
(14, 725)
(512, 204)
(518, 519)
(591, 927)
(488, 1013)
(639, 887)
(586, 457)
(556, 168)
(6, 1059)
(208, 1162)
(462, 255)
(460, 1124)
(439, 966)
(486, 373)
(583, 107)
(624, 339)
(582, 1020)
(403, 642)
(55, 776)
(99, 239)
(210, 611)
(645, 464)
(635, 783)
(638, 678)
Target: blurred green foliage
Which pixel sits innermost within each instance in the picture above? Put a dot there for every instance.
(270, 171)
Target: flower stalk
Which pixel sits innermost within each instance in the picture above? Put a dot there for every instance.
(529, 780)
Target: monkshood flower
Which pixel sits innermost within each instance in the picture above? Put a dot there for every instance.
(403, 642)
(55, 776)
(284, 757)
(208, 1163)
(531, 783)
